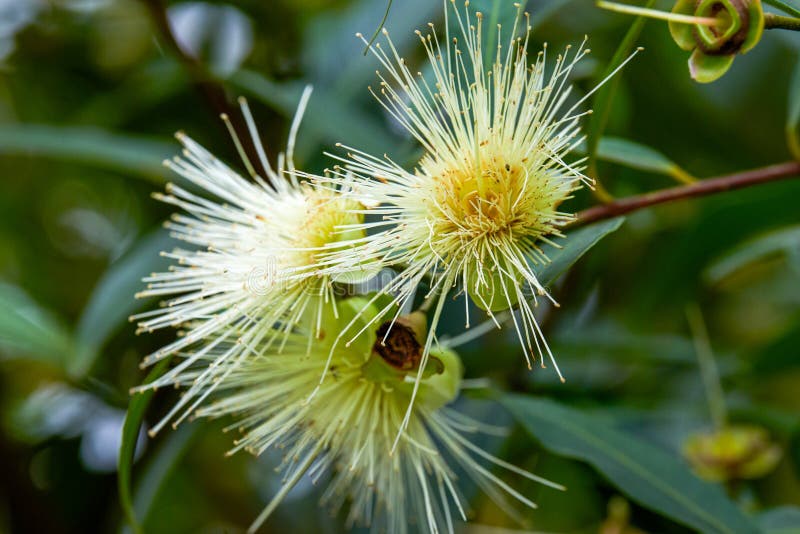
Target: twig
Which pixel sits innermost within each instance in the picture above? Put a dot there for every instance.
(709, 186)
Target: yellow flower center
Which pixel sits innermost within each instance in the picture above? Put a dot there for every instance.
(322, 224)
(489, 195)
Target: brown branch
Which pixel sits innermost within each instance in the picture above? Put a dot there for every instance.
(205, 84)
(702, 188)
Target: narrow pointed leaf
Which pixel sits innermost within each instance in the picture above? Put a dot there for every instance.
(112, 299)
(573, 247)
(647, 474)
(785, 6)
(129, 155)
(781, 520)
(27, 329)
(160, 467)
(130, 434)
(781, 241)
(638, 156)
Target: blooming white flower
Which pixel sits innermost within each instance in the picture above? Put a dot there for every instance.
(472, 216)
(244, 279)
(346, 430)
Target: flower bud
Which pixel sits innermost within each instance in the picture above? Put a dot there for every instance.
(739, 27)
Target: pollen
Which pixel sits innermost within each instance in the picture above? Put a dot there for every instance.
(494, 196)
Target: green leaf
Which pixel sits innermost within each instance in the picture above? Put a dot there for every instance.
(783, 241)
(327, 117)
(130, 434)
(781, 520)
(779, 421)
(601, 105)
(333, 55)
(27, 329)
(112, 299)
(793, 118)
(141, 91)
(784, 6)
(573, 247)
(617, 341)
(160, 467)
(127, 154)
(777, 356)
(641, 157)
(647, 474)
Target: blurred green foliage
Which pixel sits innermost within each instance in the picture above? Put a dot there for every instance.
(91, 92)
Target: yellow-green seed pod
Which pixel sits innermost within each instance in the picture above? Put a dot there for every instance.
(732, 453)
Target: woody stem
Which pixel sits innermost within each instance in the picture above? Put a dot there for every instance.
(709, 186)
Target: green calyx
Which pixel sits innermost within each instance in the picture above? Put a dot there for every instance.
(396, 356)
(739, 26)
(391, 353)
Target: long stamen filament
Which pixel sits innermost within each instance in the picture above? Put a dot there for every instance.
(656, 14)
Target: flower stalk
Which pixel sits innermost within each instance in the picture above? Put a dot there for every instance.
(781, 22)
(656, 14)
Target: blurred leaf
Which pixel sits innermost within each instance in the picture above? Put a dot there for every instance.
(333, 55)
(326, 117)
(601, 105)
(543, 10)
(576, 244)
(497, 12)
(615, 339)
(637, 156)
(160, 467)
(130, 434)
(778, 421)
(779, 355)
(793, 118)
(112, 300)
(142, 90)
(781, 520)
(647, 474)
(27, 329)
(126, 154)
(781, 241)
